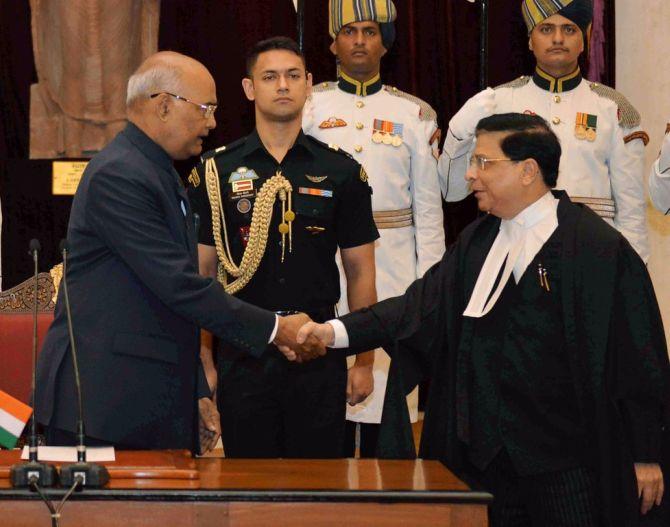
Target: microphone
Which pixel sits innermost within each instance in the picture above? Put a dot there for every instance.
(196, 225)
(88, 474)
(33, 472)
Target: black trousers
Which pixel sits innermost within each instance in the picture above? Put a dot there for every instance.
(369, 435)
(563, 498)
(271, 407)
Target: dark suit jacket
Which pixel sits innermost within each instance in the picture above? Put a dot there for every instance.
(137, 303)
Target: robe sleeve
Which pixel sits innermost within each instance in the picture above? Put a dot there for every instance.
(408, 326)
(641, 369)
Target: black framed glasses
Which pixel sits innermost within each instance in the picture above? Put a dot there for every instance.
(207, 109)
(482, 161)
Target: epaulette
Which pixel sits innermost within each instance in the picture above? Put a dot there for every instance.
(217, 151)
(426, 112)
(324, 86)
(629, 117)
(329, 146)
(516, 83)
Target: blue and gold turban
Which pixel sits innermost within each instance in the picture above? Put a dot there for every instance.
(344, 12)
(536, 11)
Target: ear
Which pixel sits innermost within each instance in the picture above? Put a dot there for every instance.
(333, 48)
(530, 43)
(163, 107)
(248, 87)
(530, 172)
(310, 83)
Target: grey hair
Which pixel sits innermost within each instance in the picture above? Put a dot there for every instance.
(161, 77)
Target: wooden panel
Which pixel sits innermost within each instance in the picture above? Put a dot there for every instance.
(331, 474)
(144, 514)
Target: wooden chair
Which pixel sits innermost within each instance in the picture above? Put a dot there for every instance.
(16, 330)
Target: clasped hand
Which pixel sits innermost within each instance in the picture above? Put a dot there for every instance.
(307, 349)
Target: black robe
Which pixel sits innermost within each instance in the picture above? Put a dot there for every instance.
(613, 330)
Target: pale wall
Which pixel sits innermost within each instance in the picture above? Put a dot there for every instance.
(643, 75)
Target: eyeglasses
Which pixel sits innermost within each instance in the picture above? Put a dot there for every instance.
(482, 161)
(207, 109)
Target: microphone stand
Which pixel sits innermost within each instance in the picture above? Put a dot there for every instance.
(82, 472)
(33, 472)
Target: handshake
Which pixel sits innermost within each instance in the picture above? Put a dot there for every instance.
(300, 339)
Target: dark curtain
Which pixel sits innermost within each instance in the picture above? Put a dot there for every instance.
(435, 57)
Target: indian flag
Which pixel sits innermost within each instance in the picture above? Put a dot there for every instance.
(13, 418)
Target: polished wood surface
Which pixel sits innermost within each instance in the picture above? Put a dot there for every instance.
(246, 492)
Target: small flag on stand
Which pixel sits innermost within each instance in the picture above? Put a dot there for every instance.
(13, 418)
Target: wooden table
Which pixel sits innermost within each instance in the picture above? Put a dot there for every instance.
(169, 488)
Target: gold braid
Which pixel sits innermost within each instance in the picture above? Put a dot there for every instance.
(258, 232)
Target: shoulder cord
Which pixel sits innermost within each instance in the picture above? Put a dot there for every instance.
(258, 232)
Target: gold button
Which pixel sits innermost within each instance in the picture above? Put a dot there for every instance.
(557, 98)
(556, 120)
(358, 149)
(360, 104)
(359, 126)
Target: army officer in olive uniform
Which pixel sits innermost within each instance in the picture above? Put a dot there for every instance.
(274, 208)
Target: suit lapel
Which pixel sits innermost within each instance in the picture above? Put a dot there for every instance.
(187, 217)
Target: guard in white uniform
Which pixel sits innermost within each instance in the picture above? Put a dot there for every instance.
(603, 145)
(394, 136)
(659, 178)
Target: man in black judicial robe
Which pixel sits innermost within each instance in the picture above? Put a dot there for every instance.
(551, 391)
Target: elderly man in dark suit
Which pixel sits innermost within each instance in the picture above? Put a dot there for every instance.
(137, 298)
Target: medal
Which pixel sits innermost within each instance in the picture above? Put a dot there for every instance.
(580, 132)
(585, 126)
(387, 132)
(244, 206)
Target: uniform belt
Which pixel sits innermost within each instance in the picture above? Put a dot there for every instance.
(393, 219)
(603, 207)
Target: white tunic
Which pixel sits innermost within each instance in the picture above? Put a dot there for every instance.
(659, 178)
(401, 177)
(610, 167)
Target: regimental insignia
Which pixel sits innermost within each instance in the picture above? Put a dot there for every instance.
(315, 229)
(333, 146)
(244, 235)
(387, 132)
(333, 122)
(244, 206)
(194, 178)
(363, 175)
(586, 126)
(242, 173)
(242, 181)
(316, 179)
(315, 192)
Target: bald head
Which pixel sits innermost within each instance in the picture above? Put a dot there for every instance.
(161, 72)
(168, 97)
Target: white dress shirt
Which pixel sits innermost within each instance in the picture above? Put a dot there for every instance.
(518, 242)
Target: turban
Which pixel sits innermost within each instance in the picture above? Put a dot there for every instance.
(536, 11)
(344, 12)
